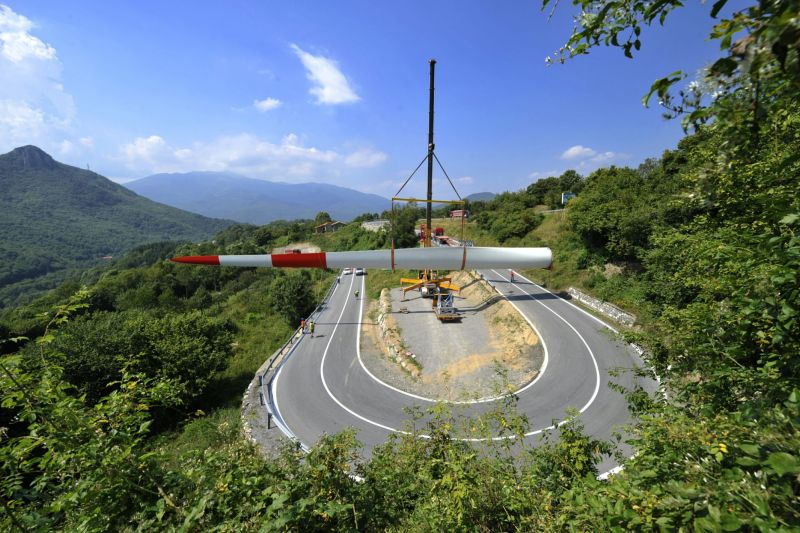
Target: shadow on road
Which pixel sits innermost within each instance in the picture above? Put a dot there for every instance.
(343, 324)
(483, 305)
(516, 296)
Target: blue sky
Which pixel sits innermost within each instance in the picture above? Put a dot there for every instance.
(333, 92)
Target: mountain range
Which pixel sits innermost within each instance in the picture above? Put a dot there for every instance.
(232, 196)
(56, 218)
(480, 196)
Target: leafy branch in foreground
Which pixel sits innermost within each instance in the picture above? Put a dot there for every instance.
(65, 464)
(765, 50)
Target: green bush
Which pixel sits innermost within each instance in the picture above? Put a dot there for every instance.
(187, 348)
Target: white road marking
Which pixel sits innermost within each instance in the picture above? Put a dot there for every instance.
(382, 426)
(280, 422)
(322, 370)
(638, 349)
(460, 402)
(395, 430)
(282, 425)
(591, 353)
(584, 311)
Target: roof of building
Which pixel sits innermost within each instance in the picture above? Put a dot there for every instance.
(329, 223)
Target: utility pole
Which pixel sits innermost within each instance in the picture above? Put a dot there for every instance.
(431, 146)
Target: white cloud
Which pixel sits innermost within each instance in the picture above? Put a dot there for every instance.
(88, 142)
(268, 104)
(466, 180)
(246, 154)
(330, 85)
(536, 176)
(20, 121)
(12, 22)
(152, 150)
(34, 106)
(16, 44)
(606, 157)
(365, 158)
(577, 152)
(582, 159)
(585, 157)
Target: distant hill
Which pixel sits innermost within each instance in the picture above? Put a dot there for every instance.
(55, 218)
(226, 195)
(485, 196)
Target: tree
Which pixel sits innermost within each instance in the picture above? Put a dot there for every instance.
(539, 189)
(264, 236)
(187, 348)
(321, 218)
(298, 231)
(291, 296)
(366, 216)
(511, 223)
(404, 223)
(722, 269)
(548, 191)
(614, 213)
(509, 215)
(765, 53)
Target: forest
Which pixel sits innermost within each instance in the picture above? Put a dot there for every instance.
(121, 389)
(59, 220)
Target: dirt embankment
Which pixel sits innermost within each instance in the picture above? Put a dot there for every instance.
(512, 340)
(453, 361)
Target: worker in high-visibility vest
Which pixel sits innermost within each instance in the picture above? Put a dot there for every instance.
(311, 328)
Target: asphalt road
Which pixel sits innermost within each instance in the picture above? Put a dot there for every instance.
(324, 387)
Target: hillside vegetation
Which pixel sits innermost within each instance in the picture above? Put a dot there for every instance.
(57, 220)
(103, 428)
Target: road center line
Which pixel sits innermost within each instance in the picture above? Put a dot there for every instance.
(388, 428)
(322, 366)
(591, 353)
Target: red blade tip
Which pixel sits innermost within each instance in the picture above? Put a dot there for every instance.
(197, 259)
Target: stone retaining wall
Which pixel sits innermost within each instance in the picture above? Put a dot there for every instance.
(605, 308)
(391, 338)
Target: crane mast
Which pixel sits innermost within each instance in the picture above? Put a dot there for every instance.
(431, 146)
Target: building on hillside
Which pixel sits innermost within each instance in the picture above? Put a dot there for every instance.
(374, 225)
(459, 213)
(329, 227)
(566, 197)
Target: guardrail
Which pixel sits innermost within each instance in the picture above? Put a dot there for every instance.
(276, 360)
